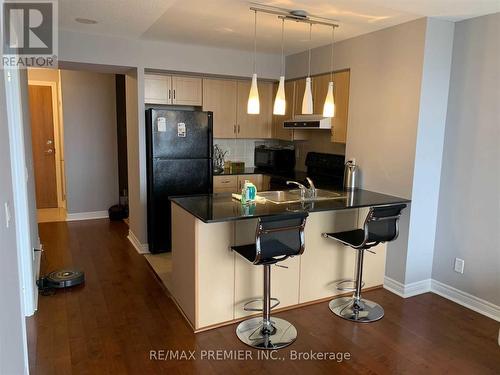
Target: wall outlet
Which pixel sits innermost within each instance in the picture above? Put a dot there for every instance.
(7, 214)
(459, 265)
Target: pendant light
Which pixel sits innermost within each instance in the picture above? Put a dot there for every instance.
(329, 106)
(280, 100)
(253, 106)
(307, 101)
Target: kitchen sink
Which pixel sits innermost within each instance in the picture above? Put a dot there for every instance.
(293, 196)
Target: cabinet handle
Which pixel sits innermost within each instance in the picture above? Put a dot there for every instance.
(234, 129)
(238, 128)
(174, 94)
(169, 96)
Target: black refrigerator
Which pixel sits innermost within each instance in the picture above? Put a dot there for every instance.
(179, 162)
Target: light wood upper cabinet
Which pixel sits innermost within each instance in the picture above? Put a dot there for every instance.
(254, 126)
(157, 89)
(186, 90)
(220, 97)
(167, 89)
(278, 131)
(341, 95)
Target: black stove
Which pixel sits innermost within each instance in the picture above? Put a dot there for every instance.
(326, 171)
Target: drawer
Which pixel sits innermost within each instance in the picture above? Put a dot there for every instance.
(225, 182)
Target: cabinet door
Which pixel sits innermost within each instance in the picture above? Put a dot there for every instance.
(220, 97)
(254, 126)
(278, 131)
(320, 90)
(225, 184)
(186, 90)
(341, 94)
(157, 89)
(255, 179)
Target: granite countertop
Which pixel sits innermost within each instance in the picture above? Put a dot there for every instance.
(212, 208)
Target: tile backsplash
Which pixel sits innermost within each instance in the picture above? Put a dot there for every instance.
(238, 150)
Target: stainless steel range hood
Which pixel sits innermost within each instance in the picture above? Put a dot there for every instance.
(309, 122)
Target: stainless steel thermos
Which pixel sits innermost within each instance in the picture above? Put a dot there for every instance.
(351, 175)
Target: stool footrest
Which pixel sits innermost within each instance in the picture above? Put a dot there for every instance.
(346, 288)
(247, 306)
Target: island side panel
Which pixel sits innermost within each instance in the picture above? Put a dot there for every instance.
(325, 261)
(184, 262)
(249, 277)
(215, 266)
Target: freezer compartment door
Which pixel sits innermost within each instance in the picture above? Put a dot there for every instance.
(172, 177)
(181, 134)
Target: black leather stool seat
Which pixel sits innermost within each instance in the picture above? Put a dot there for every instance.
(274, 248)
(356, 238)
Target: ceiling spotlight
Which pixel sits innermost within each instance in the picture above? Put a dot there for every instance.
(85, 21)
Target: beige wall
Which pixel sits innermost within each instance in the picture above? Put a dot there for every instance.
(469, 203)
(90, 139)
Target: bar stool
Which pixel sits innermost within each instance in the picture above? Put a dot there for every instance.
(381, 225)
(277, 238)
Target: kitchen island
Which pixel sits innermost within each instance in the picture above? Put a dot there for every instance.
(211, 283)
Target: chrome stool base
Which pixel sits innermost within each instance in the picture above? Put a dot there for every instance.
(366, 311)
(250, 332)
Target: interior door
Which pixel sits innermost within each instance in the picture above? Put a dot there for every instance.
(42, 138)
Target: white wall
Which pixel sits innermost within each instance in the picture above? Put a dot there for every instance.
(468, 224)
(12, 329)
(90, 140)
(108, 50)
(386, 77)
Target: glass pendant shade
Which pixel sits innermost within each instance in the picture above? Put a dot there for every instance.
(307, 101)
(329, 107)
(279, 101)
(253, 107)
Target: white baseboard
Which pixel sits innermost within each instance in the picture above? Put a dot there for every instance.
(467, 300)
(430, 285)
(141, 248)
(87, 215)
(407, 290)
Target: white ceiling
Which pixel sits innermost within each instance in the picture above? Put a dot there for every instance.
(229, 23)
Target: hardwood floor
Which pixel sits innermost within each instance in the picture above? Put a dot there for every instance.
(110, 325)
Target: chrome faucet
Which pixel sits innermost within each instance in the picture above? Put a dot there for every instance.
(305, 192)
(312, 188)
(302, 188)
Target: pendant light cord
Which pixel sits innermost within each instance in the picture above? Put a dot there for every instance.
(333, 38)
(255, 43)
(310, 39)
(282, 47)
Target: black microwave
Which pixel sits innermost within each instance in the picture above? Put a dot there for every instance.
(275, 159)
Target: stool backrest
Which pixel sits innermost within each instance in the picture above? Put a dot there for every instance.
(279, 237)
(382, 223)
